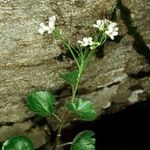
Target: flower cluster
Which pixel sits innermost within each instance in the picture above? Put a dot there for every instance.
(107, 27)
(50, 28)
(86, 41)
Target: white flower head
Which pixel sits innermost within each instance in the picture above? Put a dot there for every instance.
(108, 27)
(50, 28)
(112, 30)
(86, 42)
(101, 24)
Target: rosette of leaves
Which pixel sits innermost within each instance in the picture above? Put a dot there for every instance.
(18, 143)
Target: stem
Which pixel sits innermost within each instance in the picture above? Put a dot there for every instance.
(88, 58)
(81, 67)
(60, 129)
(65, 144)
(75, 50)
(66, 114)
(73, 97)
(102, 41)
(57, 117)
(66, 43)
(70, 49)
(74, 89)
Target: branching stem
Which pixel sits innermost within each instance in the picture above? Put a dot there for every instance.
(66, 114)
(82, 64)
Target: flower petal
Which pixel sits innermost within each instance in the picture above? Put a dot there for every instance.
(115, 33)
(42, 25)
(41, 30)
(80, 42)
(111, 36)
(95, 26)
(51, 22)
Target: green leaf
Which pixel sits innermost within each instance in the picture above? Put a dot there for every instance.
(84, 141)
(70, 77)
(18, 143)
(41, 103)
(83, 108)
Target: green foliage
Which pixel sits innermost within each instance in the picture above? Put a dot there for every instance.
(18, 143)
(56, 34)
(41, 103)
(70, 77)
(84, 141)
(83, 108)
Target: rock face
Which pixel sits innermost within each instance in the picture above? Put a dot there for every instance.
(118, 75)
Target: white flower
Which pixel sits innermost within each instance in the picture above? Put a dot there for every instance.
(108, 27)
(100, 24)
(89, 42)
(50, 28)
(112, 30)
(86, 42)
(43, 28)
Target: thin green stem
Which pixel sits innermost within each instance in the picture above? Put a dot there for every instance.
(60, 129)
(65, 144)
(72, 53)
(70, 48)
(57, 117)
(75, 50)
(88, 58)
(66, 43)
(74, 89)
(81, 67)
(66, 114)
(102, 41)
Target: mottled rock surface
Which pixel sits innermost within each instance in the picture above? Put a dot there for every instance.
(118, 75)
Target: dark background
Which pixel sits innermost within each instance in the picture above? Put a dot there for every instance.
(125, 130)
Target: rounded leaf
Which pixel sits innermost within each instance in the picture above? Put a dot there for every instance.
(41, 103)
(18, 143)
(84, 141)
(83, 108)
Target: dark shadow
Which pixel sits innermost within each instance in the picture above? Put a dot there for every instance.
(100, 51)
(139, 44)
(140, 75)
(125, 130)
